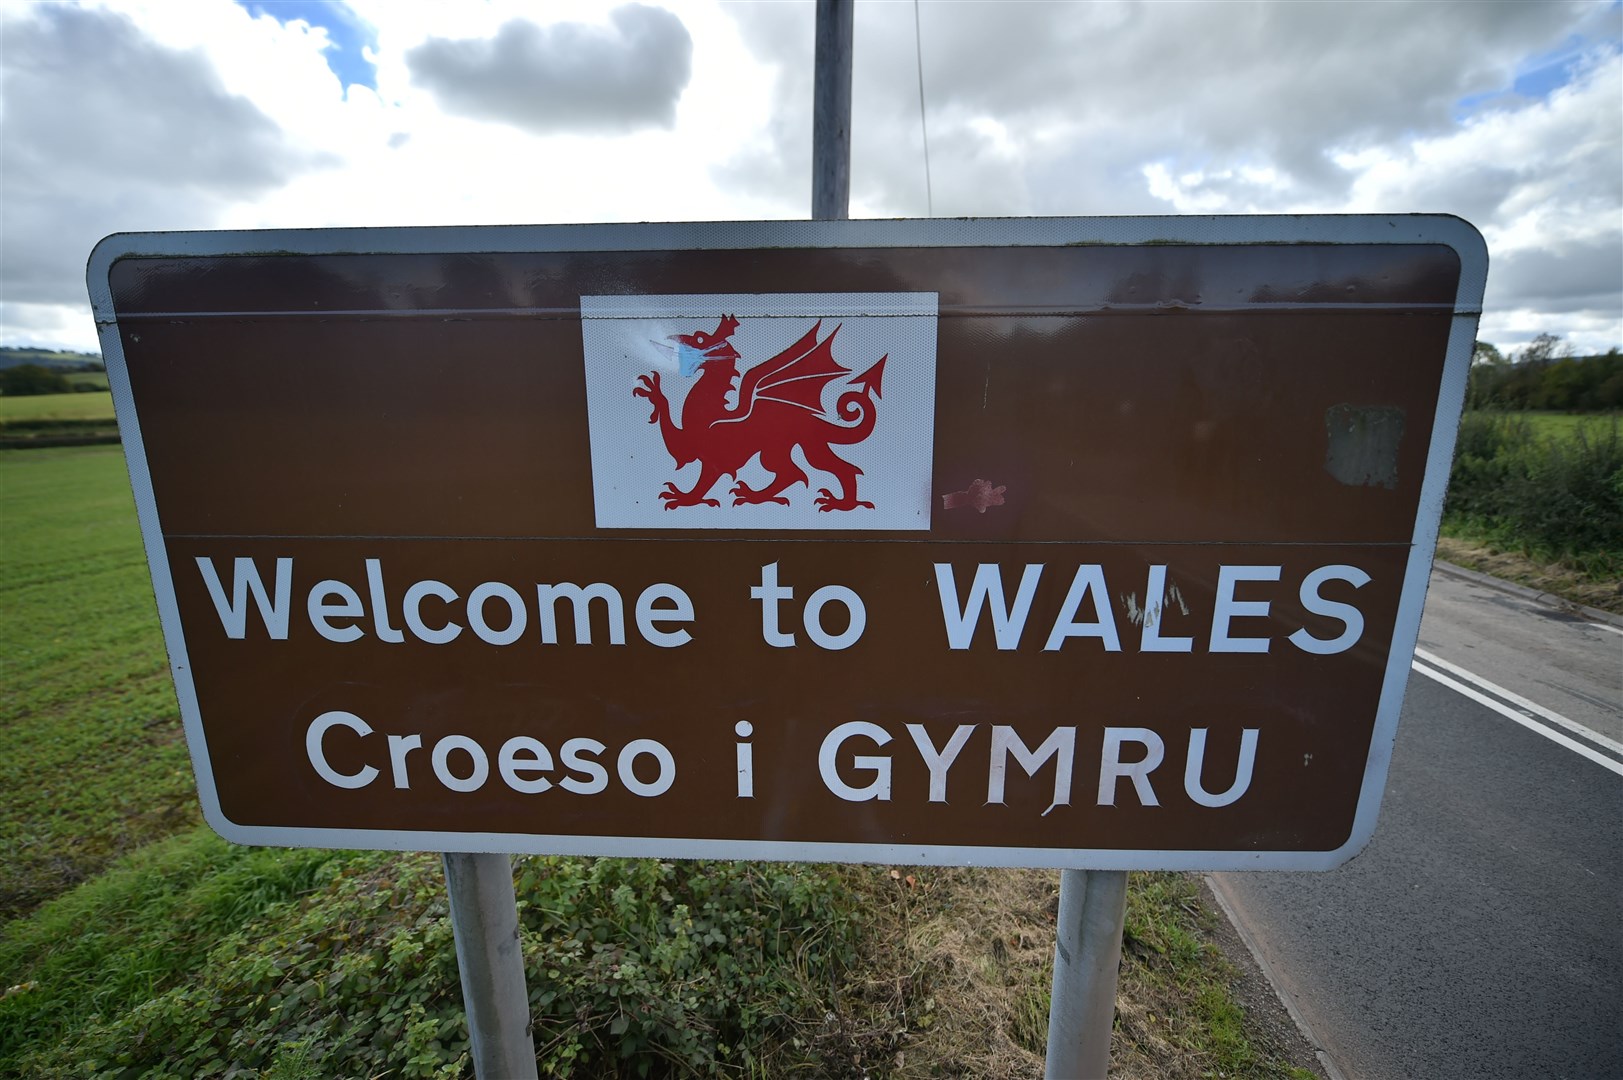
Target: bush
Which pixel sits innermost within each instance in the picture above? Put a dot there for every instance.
(29, 379)
(634, 968)
(656, 968)
(1552, 497)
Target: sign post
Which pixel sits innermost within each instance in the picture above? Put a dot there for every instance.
(1091, 544)
(484, 920)
(1087, 954)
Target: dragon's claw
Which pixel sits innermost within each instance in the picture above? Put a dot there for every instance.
(649, 388)
(673, 497)
(744, 495)
(826, 500)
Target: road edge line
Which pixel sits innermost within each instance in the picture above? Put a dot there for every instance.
(1527, 705)
(1543, 599)
(1254, 947)
(1530, 723)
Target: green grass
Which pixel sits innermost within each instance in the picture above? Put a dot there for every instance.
(1562, 426)
(94, 764)
(77, 406)
(1170, 958)
(197, 958)
(91, 957)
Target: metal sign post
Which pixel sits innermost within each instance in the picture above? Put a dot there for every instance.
(831, 111)
(484, 918)
(1087, 953)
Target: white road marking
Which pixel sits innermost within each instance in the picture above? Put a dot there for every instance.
(1516, 699)
(1606, 626)
(1530, 723)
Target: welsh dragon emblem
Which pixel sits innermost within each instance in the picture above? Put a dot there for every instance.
(779, 406)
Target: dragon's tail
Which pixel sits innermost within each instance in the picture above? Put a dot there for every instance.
(857, 405)
(858, 410)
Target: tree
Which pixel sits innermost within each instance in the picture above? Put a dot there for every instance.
(1542, 349)
(25, 379)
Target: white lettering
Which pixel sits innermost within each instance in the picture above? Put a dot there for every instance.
(986, 590)
(245, 579)
(581, 599)
(1155, 613)
(399, 747)
(573, 753)
(1089, 581)
(1112, 768)
(746, 760)
(318, 759)
(626, 766)
(1060, 745)
(413, 612)
(939, 761)
(827, 755)
(495, 590)
(442, 769)
(1228, 608)
(856, 617)
(1242, 771)
(1318, 605)
(380, 606)
(770, 594)
(522, 754)
(321, 611)
(681, 610)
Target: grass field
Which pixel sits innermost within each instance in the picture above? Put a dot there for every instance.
(98, 379)
(79, 406)
(1564, 426)
(135, 942)
(95, 763)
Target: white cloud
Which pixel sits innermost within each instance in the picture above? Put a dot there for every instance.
(568, 77)
(106, 128)
(238, 121)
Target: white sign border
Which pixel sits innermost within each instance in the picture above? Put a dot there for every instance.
(1427, 229)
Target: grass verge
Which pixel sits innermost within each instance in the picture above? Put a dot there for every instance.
(959, 964)
(195, 957)
(1480, 550)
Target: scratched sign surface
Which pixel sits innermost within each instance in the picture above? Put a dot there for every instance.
(1075, 542)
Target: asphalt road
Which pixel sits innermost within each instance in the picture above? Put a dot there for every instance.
(1480, 935)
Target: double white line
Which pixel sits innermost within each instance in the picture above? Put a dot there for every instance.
(1607, 753)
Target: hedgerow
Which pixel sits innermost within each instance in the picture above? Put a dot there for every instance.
(1555, 498)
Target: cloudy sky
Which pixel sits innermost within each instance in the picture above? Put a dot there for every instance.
(193, 114)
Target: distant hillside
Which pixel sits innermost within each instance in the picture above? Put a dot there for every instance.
(12, 356)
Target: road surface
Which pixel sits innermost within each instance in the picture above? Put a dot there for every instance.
(1480, 934)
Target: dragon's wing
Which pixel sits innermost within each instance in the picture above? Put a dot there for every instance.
(796, 376)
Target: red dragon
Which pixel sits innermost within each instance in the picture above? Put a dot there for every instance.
(779, 407)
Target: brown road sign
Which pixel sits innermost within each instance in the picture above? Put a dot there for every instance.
(1068, 542)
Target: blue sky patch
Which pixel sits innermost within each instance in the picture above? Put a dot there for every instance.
(347, 33)
(1537, 77)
